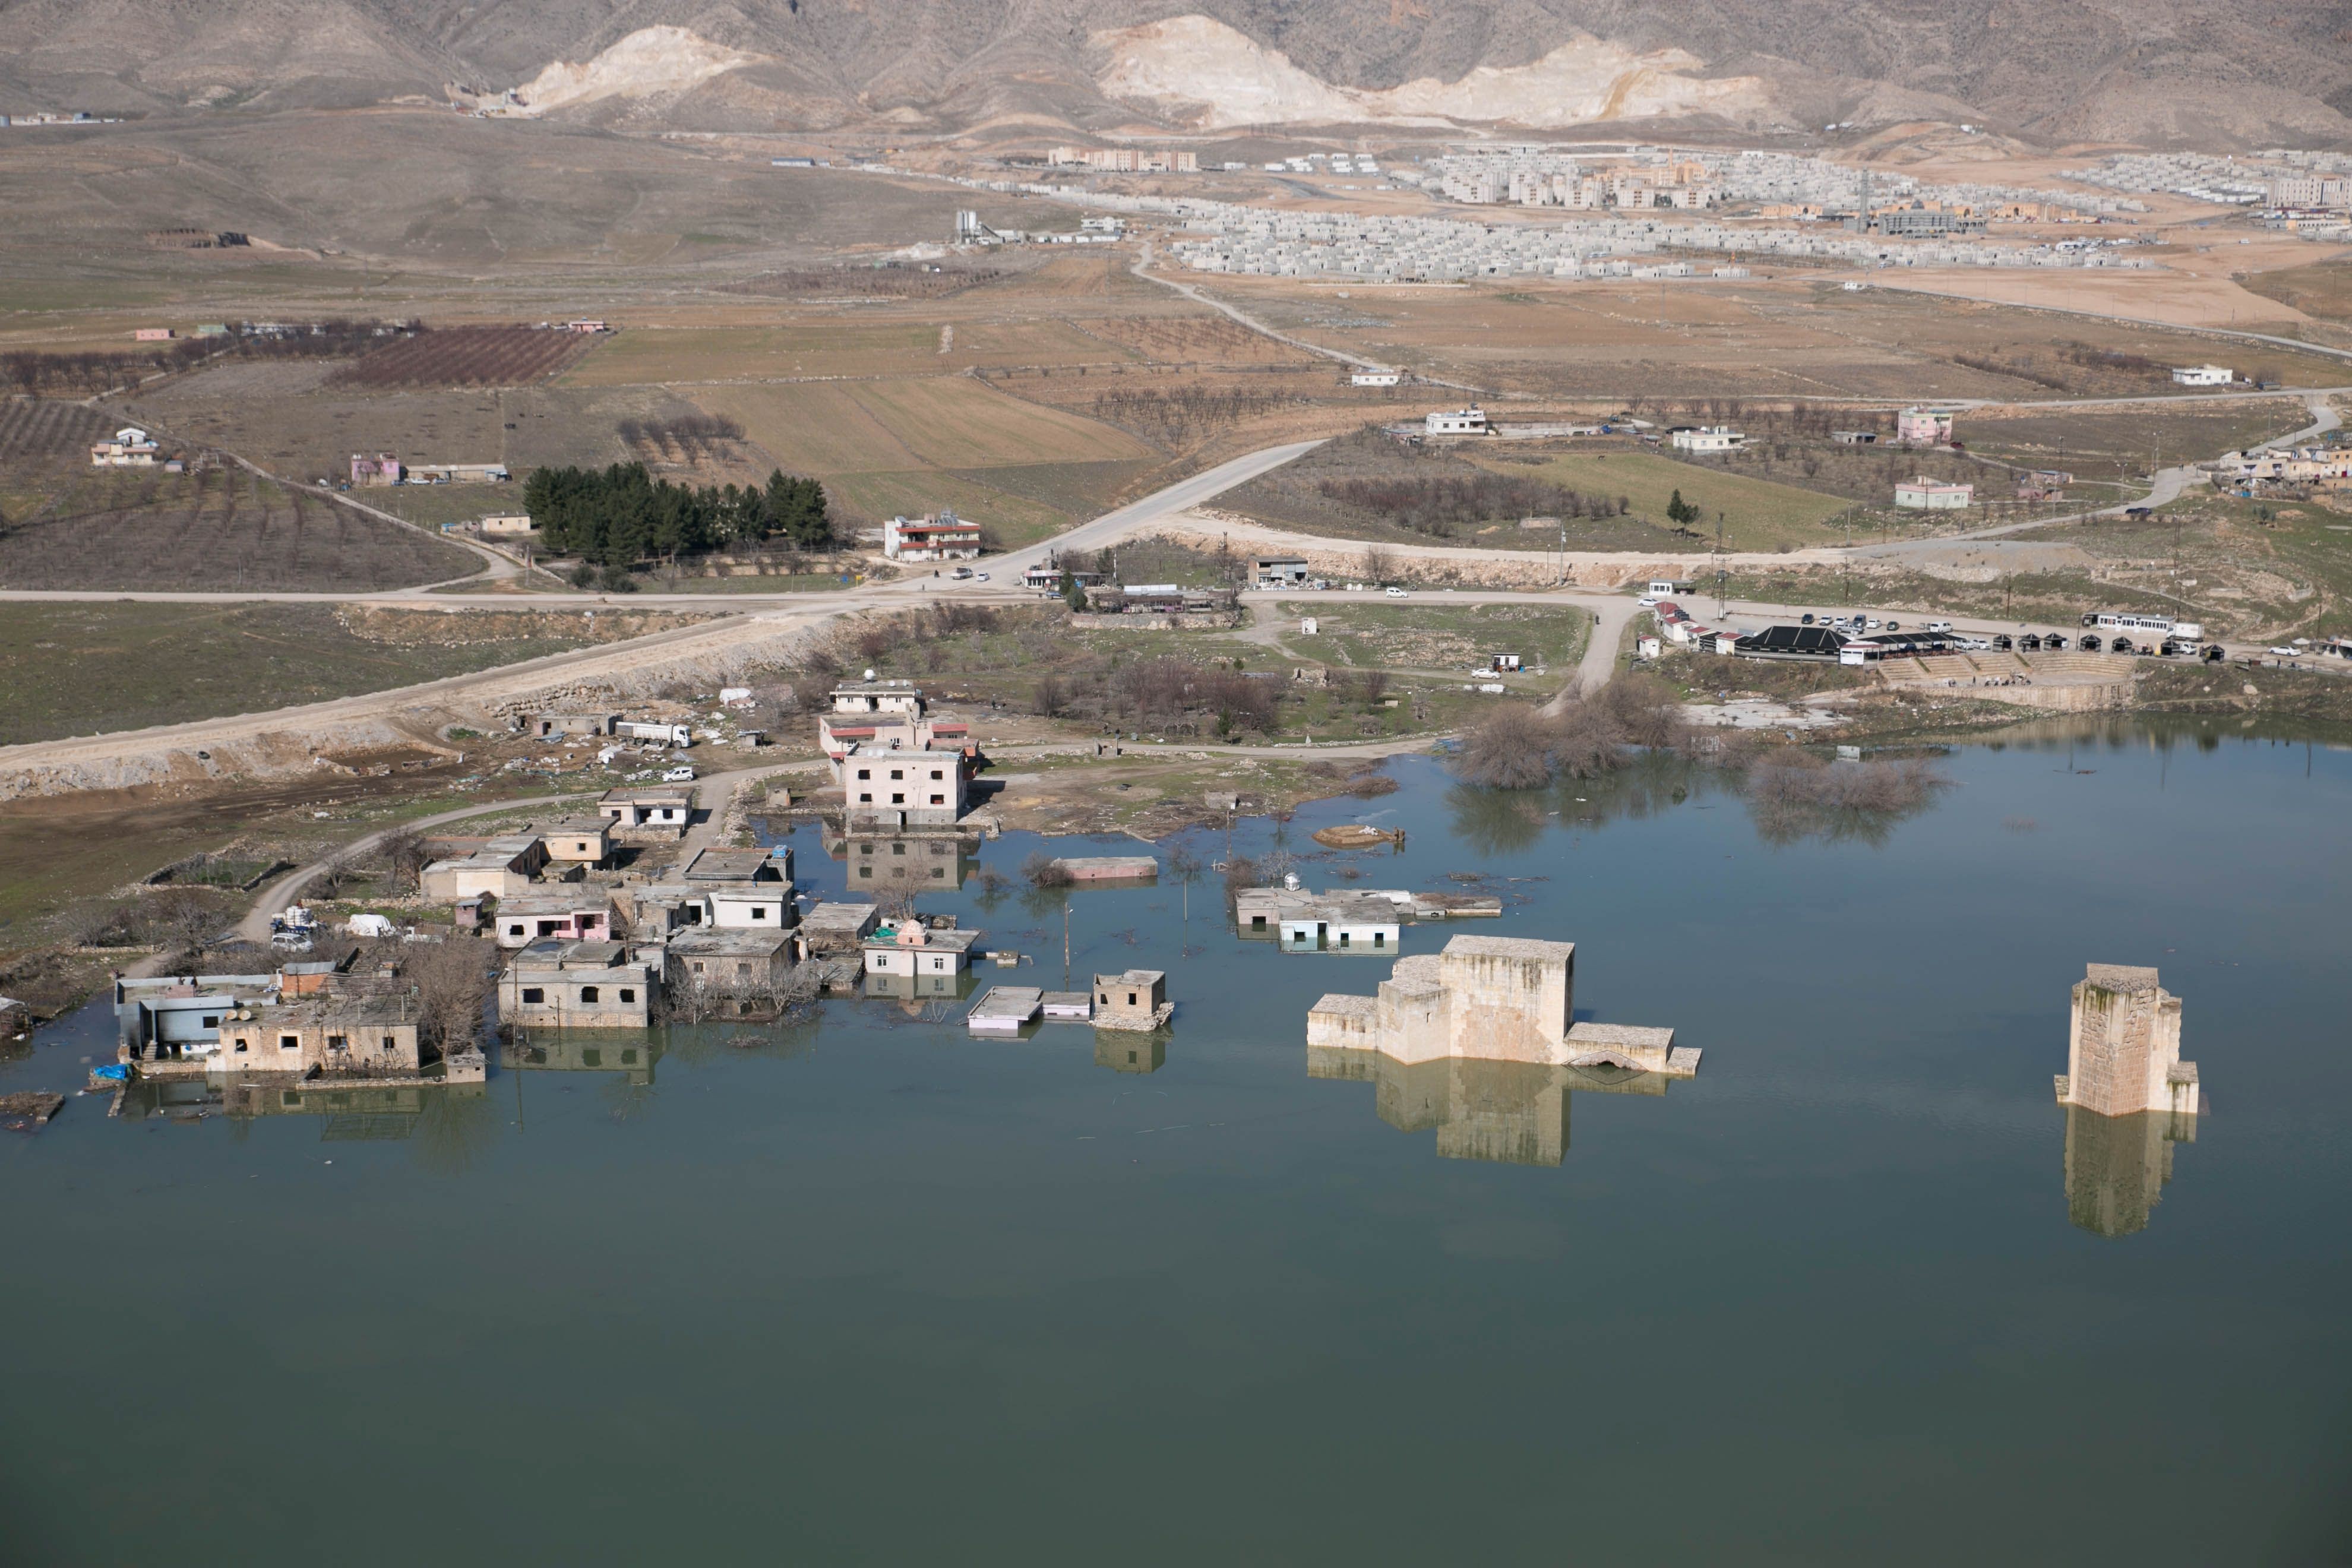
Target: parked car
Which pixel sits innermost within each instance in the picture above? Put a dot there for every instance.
(1648, 601)
(2136, 511)
(980, 576)
(1939, 625)
(2284, 652)
(1806, 619)
(1395, 592)
(1872, 625)
(677, 775)
(1894, 625)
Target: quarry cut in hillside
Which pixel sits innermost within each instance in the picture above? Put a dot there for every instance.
(1198, 70)
(651, 62)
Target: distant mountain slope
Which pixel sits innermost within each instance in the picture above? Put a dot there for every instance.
(2211, 73)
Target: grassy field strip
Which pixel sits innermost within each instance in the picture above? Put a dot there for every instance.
(1758, 514)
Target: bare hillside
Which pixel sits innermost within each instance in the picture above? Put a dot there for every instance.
(2209, 72)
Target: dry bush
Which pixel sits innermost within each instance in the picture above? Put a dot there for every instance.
(1793, 795)
(1511, 748)
(1040, 871)
(1052, 698)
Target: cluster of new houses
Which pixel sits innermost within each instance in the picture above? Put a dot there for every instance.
(1237, 238)
(1125, 160)
(1787, 186)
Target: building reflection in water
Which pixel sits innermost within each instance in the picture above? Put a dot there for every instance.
(1128, 1050)
(908, 860)
(573, 1050)
(2116, 1166)
(2127, 1095)
(1514, 1113)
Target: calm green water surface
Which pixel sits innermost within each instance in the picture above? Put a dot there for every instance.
(876, 1291)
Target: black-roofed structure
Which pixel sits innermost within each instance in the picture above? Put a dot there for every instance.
(1791, 642)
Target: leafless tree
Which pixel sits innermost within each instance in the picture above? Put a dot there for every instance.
(1379, 564)
(1511, 748)
(452, 980)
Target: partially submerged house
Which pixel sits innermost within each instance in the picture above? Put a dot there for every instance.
(909, 946)
(1132, 999)
(575, 986)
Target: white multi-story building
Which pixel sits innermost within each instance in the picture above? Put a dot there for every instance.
(1708, 439)
(944, 537)
(1457, 422)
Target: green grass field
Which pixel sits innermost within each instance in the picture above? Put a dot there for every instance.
(1756, 513)
(89, 668)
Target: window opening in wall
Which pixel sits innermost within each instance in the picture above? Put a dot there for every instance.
(533, 994)
(588, 993)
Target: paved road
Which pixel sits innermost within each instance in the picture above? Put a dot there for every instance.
(288, 889)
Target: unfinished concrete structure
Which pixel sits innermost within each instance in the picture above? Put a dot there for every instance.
(1496, 998)
(2123, 1047)
(1132, 999)
(575, 986)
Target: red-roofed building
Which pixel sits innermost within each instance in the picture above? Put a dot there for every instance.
(945, 537)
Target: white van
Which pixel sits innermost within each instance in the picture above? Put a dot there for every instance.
(677, 775)
(1939, 625)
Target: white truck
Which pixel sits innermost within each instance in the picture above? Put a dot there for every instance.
(663, 734)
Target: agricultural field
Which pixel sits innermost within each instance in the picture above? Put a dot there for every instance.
(1192, 339)
(465, 356)
(2118, 444)
(43, 448)
(312, 436)
(821, 347)
(2323, 290)
(1609, 342)
(221, 529)
(89, 668)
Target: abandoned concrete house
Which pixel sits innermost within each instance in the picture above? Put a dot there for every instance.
(500, 869)
(910, 947)
(358, 1037)
(559, 913)
(1132, 999)
(736, 960)
(575, 986)
(652, 812)
(580, 840)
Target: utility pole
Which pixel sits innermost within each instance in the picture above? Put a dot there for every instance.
(1718, 566)
(1066, 945)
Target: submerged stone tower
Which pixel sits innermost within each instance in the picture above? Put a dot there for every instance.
(2128, 1096)
(2123, 1047)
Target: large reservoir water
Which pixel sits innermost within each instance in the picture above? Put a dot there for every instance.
(876, 1290)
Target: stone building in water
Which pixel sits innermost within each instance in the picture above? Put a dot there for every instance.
(2128, 1096)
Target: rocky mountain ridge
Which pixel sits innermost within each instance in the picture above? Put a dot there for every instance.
(2214, 73)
